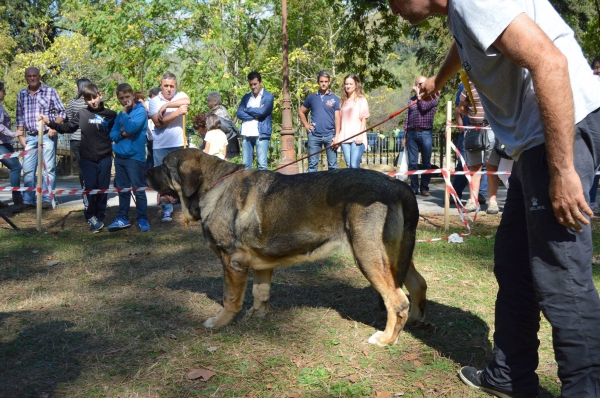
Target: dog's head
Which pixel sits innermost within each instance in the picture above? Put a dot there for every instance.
(186, 175)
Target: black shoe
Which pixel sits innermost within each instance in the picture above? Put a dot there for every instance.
(481, 199)
(472, 377)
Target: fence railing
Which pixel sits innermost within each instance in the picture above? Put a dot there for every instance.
(382, 148)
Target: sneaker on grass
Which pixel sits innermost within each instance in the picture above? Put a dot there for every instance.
(118, 224)
(167, 217)
(470, 206)
(144, 226)
(493, 208)
(595, 208)
(95, 225)
(472, 377)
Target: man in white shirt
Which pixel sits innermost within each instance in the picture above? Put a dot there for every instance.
(255, 112)
(166, 111)
(541, 100)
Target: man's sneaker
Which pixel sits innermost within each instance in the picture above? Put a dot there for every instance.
(3, 205)
(46, 205)
(481, 199)
(95, 225)
(144, 226)
(472, 377)
(118, 224)
(595, 208)
(470, 206)
(493, 208)
(167, 217)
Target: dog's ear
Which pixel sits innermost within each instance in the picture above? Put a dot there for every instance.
(190, 176)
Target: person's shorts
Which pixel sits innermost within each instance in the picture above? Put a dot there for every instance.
(489, 155)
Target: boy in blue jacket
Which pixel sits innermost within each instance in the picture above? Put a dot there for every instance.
(129, 137)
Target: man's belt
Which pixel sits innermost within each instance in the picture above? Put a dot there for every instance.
(34, 132)
(418, 129)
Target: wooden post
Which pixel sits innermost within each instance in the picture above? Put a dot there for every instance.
(448, 139)
(40, 154)
(183, 131)
(186, 222)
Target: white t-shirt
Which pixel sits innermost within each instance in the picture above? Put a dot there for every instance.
(171, 135)
(506, 89)
(250, 128)
(150, 129)
(217, 140)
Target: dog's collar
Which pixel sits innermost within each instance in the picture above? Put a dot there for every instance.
(224, 178)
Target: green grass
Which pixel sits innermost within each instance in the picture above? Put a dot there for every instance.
(121, 315)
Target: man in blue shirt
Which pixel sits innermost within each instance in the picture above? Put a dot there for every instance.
(325, 118)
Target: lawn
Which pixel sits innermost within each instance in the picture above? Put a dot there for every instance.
(120, 315)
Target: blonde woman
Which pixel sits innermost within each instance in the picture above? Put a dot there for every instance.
(354, 113)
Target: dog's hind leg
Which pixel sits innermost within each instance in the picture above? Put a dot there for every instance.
(234, 284)
(375, 262)
(261, 290)
(417, 287)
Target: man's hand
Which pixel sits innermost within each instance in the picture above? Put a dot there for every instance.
(44, 118)
(23, 141)
(428, 90)
(568, 201)
(183, 109)
(358, 141)
(51, 133)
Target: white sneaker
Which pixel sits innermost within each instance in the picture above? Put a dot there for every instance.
(470, 206)
(493, 208)
(167, 217)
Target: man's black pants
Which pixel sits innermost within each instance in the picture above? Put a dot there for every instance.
(541, 265)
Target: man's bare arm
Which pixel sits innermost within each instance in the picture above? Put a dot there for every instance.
(529, 47)
(302, 114)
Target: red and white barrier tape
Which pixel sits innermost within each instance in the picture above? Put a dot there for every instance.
(17, 154)
(76, 191)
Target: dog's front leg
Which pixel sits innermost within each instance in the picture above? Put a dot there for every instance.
(261, 290)
(236, 275)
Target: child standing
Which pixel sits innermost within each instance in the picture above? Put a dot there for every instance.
(95, 151)
(129, 137)
(216, 140)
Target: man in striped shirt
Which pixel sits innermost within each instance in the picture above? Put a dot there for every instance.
(475, 159)
(37, 99)
(418, 125)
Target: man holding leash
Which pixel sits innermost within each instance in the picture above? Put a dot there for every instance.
(541, 100)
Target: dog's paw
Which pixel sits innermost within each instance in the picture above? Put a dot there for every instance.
(209, 324)
(261, 312)
(375, 339)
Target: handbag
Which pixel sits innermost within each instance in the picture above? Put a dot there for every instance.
(500, 149)
(476, 140)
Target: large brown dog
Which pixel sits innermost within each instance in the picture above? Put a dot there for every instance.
(261, 220)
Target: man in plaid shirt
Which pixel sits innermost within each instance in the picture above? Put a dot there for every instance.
(417, 127)
(37, 99)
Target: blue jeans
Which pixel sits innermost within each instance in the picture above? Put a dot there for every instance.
(159, 155)
(419, 141)
(96, 175)
(14, 166)
(353, 154)
(315, 144)
(129, 173)
(262, 151)
(30, 167)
